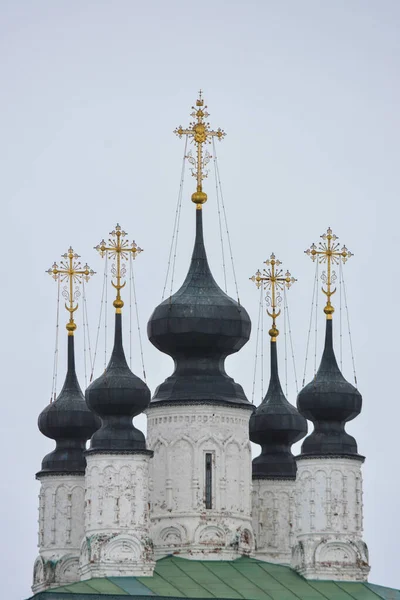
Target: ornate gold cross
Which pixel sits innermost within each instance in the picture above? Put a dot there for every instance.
(118, 249)
(72, 271)
(328, 252)
(199, 131)
(273, 281)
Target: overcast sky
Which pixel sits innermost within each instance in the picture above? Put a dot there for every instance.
(308, 93)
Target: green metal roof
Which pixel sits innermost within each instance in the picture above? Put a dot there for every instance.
(244, 578)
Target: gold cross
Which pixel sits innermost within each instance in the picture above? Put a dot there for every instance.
(328, 252)
(199, 131)
(118, 249)
(72, 271)
(273, 281)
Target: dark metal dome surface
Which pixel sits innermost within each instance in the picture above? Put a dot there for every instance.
(69, 422)
(117, 396)
(276, 425)
(199, 326)
(329, 401)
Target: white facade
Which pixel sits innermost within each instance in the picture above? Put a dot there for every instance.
(116, 538)
(183, 438)
(329, 520)
(274, 519)
(61, 529)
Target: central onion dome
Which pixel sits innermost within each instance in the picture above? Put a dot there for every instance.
(276, 425)
(117, 396)
(199, 326)
(329, 401)
(69, 422)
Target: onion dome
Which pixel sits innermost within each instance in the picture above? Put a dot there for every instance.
(117, 396)
(69, 422)
(276, 425)
(199, 326)
(329, 401)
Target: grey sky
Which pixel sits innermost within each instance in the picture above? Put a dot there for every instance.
(308, 93)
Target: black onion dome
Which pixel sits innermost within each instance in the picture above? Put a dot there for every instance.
(117, 396)
(199, 326)
(329, 401)
(69, 422)
(276, 425)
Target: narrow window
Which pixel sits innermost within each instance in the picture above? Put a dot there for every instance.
(208, 480)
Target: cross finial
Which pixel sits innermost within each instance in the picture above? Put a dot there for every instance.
(118, 249)
(200, 133)
(274, 280)
(70, 270)
(328, 252)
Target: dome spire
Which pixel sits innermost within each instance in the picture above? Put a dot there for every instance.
(118, 395)
(199, 325)
(275, 424)
(201, 134)
(329, 401)
(67, 420)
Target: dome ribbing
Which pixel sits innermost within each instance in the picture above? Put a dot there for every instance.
(329, 401)
(276, 425)
(199, 326)
(117, 396)
(69, 422)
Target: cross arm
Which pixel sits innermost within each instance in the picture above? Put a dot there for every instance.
(219, 133)
(179, 131)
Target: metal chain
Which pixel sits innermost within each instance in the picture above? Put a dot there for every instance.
(285, 338)
(87, 323)
(316, 325)
(84, 334)
(262, 353)
(55, 361)
(257, 339)
(176, 223)
(137, 317)
(340, 316)
(220, 225)
(291, 341)
(130, 311)
(105, 310)
(309, 328)
(226, 221)
(101, 313)
(348, 326)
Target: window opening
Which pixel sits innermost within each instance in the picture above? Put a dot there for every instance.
(208, 480)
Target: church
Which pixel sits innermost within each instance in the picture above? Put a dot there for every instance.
(185, 511)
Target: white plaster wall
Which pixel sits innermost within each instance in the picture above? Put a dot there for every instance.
(116, 540)
(329, 520)
(61, 529)
(274, 519)
(180, 437)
